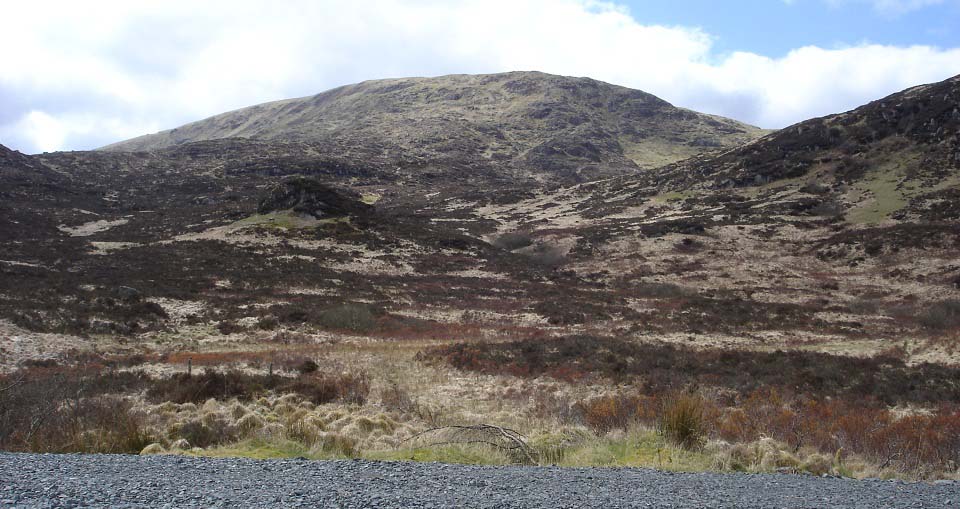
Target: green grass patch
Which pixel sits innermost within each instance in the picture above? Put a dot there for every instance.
(335, 220)
(654, 152)
(883, 195)
(279, 448)
(260, 448)
(460, 454)
(776, 186)
(637, 448)
(884, 190)
(285, 220)
(640, 448)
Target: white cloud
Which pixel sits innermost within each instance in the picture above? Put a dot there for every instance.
(42, 132)
(46, 132)
(83, 74)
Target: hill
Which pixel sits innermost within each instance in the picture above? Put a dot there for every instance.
(521, 124)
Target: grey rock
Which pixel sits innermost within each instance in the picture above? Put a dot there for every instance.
(34, 480)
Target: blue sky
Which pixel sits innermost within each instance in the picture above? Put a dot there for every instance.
(774, 27)
(80, 75)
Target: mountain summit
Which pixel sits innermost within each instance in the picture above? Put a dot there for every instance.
(512, 123)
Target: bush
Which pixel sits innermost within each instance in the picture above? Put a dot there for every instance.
(941, 315)
(318, 388)
(64, 409)
(352, 317)
(396, 398)
(661, 368)
(227, 327)
(688, 245)
(547, 255)
(682, 421)
(828, 209)
(512, 241)
(321, 389)
(54, 413)
(199, 434)
(308, 366)
(814, 187)
(185, 388)
(608, 413)
(268, 322)
(660, 290)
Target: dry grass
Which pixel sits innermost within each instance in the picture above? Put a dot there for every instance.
(567, 418)
(682, 420)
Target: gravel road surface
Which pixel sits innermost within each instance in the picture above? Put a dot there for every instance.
(42, 480)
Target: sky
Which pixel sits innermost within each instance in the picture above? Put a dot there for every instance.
(80, 75)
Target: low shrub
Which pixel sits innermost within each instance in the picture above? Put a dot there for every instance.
(660, 290)
(320, 388)
(547, 255)
(186, 388)
(662, 368)
(512, 241)
(829, 209)
(43, 412)
(227, 327)
(682, 420)
(395, 398)
(923, 443)
(619, 411)
(317, 387)
(941, 315)
(200, 434)
(308, 366)
(268, 322)
(351, 317)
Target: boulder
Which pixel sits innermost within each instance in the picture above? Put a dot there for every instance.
(128, 294)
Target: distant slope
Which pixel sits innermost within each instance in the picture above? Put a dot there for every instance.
(915, 130)
(30, 192)
(521, 122)
(848, 223)
(894, 159)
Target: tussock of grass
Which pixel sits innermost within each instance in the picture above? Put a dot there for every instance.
(636, 448)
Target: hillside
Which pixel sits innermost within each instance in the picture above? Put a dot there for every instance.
(518, 124)
(839, 226)
(894, 160)
(818, 217)
(299, 297)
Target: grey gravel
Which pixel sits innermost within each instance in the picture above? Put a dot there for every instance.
(74, 480)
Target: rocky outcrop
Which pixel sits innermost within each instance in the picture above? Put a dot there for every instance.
(308, 196)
